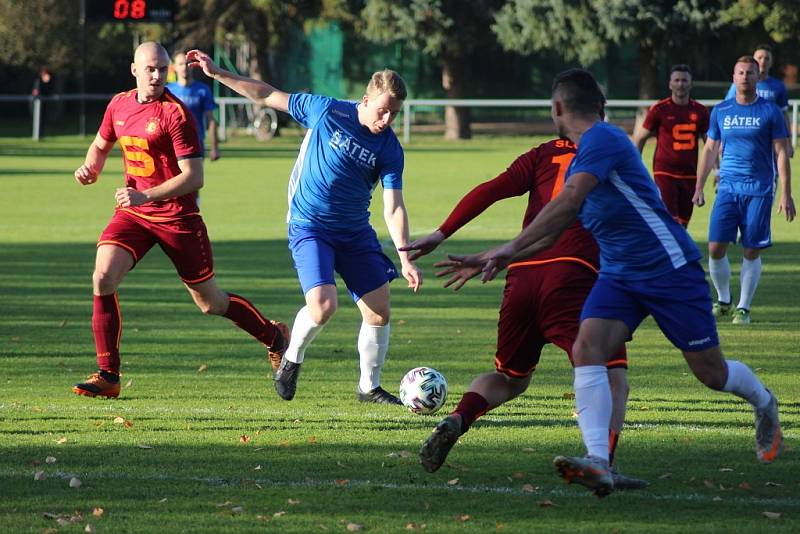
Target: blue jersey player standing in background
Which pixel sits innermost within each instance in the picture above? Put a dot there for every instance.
(348, 149)
(752, 130)
(768, 87)
(649, 265)
(198, 98)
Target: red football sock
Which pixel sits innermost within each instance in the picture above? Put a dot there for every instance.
(242, 312)
(613, 440)
(107, 329)
(471, 406)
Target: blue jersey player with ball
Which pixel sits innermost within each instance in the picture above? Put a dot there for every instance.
(348, 150)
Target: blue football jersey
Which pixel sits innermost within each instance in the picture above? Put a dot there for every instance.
(747, 132)
(771, 89)
(198, 98)
(339, 165)
(637, 236)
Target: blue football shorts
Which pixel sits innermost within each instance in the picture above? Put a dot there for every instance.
(680, 303)
(357, 256)
(749, 215)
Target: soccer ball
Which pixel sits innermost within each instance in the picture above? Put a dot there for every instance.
(423, 390)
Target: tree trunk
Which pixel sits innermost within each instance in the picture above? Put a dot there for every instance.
(648, 77)
(456, 119)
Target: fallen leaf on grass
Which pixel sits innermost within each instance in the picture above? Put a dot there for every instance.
(283, 443)
(340, 464)
(463, 518)
(529, 488)
(773, 484)
(97, 511)
(40, 475)
(354, 527)
(707, 483)
(453, 482)
(75, 482)
(50, 460)
(405, 454)
(725, 470)
(62, 324)
(312, 439)
(772, 515)
(568, 396)
(61, 441)
(203, 368)
(89, 529)
(717, 498)
(547, 503)
(528, 449)
(129, 383)
(279, 514)
(244, 438)
(414, 526)
(143, 446)
(294, 501)
(119, 420)
(745, 485)
(341, 481)
(257, 468)
(665, 476)
(574, 414)
(163, 500)
(519, 475)
(237, 510)
(127, 424)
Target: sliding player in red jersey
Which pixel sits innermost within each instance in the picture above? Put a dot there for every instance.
(163, 171)
(678, 122)
(542, 300)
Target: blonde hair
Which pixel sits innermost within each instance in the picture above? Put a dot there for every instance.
(387, 81)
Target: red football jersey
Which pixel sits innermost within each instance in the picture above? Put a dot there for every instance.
(539, 172)
(153, 137)
(678, 129)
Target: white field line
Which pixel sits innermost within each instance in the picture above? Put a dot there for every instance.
(480, 488)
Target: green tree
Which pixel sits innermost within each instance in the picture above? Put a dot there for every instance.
(779, 18)
(583, 30)
(446, 30)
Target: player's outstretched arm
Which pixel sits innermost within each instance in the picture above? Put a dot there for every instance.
(94, 162)
(424, 245)
(786, 202)
(396, 217)
(640, 137)
(708, 158)
(255, 90)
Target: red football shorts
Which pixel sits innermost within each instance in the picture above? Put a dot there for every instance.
(677, 194)
(185, 241)
(542, 304)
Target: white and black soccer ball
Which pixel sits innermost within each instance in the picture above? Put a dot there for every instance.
(423, 390)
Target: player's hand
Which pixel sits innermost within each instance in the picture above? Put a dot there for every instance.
(413, 275)
(699, 198)
(786, 206)
(424, 245)
(85, 175)
(200, 60)
(498, 259)
(128, 197)
(214, 154)
(459, 273)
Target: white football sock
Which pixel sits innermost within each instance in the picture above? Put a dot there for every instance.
(373, 344)
(720, 273)
(743, 383)
(751, 274)
(304, 330)
(593, 404)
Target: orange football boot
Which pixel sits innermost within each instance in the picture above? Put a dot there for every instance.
(276, 355)
(97, 386)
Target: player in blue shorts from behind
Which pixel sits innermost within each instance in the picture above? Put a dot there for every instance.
(751, 129)
(649, 265)
(349, 148)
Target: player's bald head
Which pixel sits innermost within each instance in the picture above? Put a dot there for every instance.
(150, 50)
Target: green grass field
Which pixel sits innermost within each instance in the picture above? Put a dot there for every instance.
(200, 442)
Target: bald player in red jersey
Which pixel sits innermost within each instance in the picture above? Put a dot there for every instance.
(542, 300)
(163, 162)
(678, 122)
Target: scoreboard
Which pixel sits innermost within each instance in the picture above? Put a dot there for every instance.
(130, 10)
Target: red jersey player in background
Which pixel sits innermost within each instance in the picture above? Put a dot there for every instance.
(542, 300)
(163, 171)
(677, 122)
